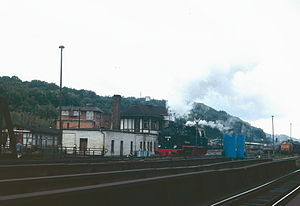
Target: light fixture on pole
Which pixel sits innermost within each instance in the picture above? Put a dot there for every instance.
(290, 131)
(60, 86)
(273, 134)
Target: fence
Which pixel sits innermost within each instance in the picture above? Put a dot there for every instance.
(52, 152)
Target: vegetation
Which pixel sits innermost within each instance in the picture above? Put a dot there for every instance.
(235, 124)
(35, 103)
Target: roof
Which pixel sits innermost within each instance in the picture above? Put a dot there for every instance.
(85, 108)
(40, 130)
(141, 110)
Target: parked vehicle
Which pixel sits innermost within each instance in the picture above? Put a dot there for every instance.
(290, 147)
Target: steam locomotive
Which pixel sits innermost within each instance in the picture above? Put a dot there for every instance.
(182, 140)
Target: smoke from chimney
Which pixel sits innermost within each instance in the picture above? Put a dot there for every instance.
(211, 124)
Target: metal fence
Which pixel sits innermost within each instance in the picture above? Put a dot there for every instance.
(53, 152)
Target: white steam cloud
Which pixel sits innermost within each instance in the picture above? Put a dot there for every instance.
(211, 124)
(228, 90)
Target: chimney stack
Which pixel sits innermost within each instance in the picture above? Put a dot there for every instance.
(116, 110)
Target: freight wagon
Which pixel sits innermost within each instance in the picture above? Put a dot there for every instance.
(289, 147)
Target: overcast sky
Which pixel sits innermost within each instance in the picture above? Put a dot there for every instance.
(242, 57)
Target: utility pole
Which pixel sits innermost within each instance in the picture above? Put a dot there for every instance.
(273, 135)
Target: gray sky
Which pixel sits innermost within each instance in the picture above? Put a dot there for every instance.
(238, 56)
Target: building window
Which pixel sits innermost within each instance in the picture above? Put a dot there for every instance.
(148, 146)
(145, 124)
(76, 113)
(144, 146)
(151, 146)
(64, 113)
(112, 149)
(154, 125)
(68, 125)
(141, 145)
(89, 115)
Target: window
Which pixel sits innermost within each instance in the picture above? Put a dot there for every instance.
(151, 146)
(145, 124)
(154, 125)
(112, 149)
(64, 113)
(144, 146)
(89, 115)
(141, 145)
(76, 113)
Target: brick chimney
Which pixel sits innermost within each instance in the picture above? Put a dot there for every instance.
(116, 110)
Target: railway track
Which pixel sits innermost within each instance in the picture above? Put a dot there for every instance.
(169, 186)
(48, 169)
(276, 192)
(43, 183)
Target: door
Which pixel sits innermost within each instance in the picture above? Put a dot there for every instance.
(83, 144)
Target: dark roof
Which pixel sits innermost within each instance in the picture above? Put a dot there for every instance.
(142, 110)
(77, 108)
(40, 130)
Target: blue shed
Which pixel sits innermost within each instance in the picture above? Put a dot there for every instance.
(234, 145)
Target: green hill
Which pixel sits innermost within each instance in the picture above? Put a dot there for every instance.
(219, 122)
(35, 103)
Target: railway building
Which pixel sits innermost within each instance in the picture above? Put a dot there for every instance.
(133, 131)
(80, 117)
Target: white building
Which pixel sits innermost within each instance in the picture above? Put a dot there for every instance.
(144, 119)
(133, 132)
(112, 143)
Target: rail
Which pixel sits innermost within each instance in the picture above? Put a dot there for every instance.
(291, 186)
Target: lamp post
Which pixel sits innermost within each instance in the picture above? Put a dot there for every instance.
(273, 135)
(60, 86)
(290, 131)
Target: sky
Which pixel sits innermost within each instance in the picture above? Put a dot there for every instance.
(241, 57)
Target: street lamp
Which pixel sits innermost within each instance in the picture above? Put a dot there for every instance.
(290, 131)
(60, 86)
(273, 135)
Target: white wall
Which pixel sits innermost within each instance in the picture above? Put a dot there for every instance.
(72, 137)
(96, 140)
(127, 138)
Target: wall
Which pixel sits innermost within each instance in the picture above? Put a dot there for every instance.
(96, 139)
(72, 122)
(127, 138)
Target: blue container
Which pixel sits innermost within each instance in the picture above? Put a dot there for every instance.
(230, 145)
(241, 149)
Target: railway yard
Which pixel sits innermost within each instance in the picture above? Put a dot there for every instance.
(165, 181)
